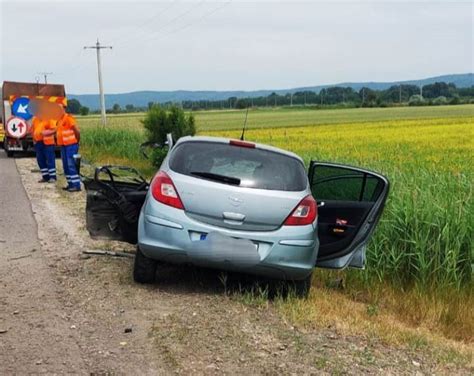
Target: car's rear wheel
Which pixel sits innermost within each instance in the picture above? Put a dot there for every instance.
(300, 288)
(290, 288)
(144, 269)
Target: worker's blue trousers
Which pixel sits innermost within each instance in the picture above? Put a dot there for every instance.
(46, 160)
(69, 165)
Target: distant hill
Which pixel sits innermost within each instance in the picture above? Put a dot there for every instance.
(141, 98)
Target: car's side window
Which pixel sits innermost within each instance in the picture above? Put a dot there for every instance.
(344, 184)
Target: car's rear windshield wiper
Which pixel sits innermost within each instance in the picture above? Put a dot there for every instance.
(217, 177)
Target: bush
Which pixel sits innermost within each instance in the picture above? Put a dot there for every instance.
(84, 111)
(157, 156)
(416, 100)
(455, 100)
(158, 123)
(440, 101)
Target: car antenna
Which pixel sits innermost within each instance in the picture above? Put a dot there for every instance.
(245, 124)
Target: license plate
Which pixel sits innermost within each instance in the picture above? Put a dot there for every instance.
(204, 237)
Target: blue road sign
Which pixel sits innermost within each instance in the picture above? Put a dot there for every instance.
(20, 108)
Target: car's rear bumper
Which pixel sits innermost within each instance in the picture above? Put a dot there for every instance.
(171, 236)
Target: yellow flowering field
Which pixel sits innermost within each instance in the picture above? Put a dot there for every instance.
(425, 236)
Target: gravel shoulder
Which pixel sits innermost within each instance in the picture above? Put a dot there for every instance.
(93, 319)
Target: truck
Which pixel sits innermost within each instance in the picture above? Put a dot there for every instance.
(14, 109)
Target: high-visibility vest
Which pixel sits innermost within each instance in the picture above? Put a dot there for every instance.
(49, 125)
(37, 128)
(65, 132)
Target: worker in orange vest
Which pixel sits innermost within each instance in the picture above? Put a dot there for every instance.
(68, 137)
(43, 137)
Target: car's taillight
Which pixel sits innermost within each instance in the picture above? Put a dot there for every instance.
(304, 214)
(164, 191)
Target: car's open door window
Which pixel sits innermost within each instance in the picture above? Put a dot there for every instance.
(115, 195)
(350, 203)
(147, 148)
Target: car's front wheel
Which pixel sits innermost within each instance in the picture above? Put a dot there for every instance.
(144, 269)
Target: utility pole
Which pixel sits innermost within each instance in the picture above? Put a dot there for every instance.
(45, 75)
(400, 94)
(98, 47)
(421, 90)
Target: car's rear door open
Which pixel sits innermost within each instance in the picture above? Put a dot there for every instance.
(350, 203)
(115, 196)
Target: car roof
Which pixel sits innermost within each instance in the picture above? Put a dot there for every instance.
(223, 140)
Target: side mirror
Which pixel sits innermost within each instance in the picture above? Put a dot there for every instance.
(169, 143)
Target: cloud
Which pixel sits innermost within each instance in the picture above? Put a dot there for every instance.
(233, 44)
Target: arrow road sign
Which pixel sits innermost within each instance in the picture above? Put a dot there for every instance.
(20, 108)
(16, 127)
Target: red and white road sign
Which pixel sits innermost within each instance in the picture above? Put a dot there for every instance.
(16, 127)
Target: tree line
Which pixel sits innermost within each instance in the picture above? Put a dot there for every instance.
(438, 93)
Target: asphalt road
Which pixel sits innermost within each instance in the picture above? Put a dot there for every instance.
(18, 230)
(34, 335)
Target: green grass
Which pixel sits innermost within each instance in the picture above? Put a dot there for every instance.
(424, 242)
(425, 237)
(418, 284)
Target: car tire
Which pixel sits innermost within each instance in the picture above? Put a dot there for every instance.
(301, 288)
(144, 268)
(10, 154)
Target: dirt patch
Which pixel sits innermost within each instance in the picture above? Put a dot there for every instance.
(185, 323)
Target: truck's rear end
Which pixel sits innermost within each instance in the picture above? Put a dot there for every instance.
(14, 104)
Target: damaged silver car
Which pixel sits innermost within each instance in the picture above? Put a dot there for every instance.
(239, 206)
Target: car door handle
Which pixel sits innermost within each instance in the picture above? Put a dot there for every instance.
(233, 216)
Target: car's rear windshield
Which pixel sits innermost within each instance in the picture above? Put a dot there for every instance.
(241, 166)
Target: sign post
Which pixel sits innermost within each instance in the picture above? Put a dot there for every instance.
(16, 127)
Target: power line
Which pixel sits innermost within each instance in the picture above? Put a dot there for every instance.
(143, 25)
(193, 22)
(98, 47)
(156, 33)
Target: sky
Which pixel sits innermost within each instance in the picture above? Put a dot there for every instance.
(232, 44)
